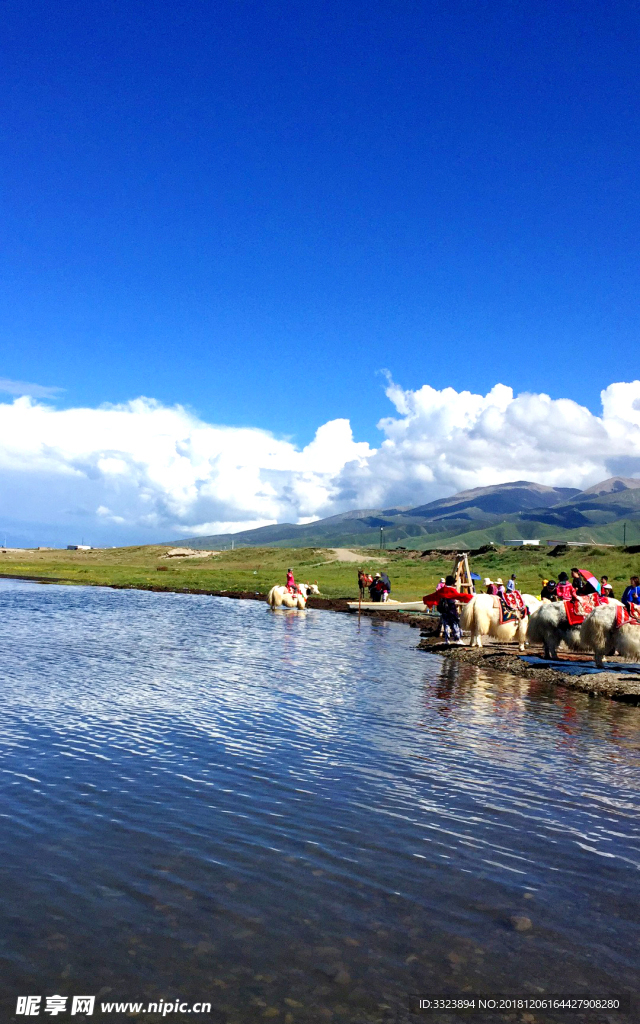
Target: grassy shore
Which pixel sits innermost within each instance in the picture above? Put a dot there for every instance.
(257, 569)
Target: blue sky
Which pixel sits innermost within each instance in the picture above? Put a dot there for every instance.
(248, 206)
(251, 209)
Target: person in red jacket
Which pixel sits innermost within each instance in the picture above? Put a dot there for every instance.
(565, 591)
(445, 600)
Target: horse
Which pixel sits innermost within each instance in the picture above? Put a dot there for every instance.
(281, 595)
(364, 582)
(308, 589)
(481, 617)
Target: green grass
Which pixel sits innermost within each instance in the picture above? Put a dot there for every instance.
(257, 569)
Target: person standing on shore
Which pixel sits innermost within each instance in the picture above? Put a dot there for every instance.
(446, 600)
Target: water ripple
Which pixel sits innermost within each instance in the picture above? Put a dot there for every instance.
(182, 773)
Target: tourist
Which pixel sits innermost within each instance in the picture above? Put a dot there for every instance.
(631, 594)
(511, 583)
(582, 586)
(607, 589)
(490, 587)
(441, 584)
(291, 583)
(445, 600)
(376, 588)
(499, 585)
(386, 586)
(548, 592)
(565, 591)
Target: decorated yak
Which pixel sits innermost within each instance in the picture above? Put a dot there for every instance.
(282, 597)
(559, 622)
(611, 629)
(504, 617)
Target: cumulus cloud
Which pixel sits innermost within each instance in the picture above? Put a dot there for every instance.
(446, 441)
(160, 471)
(142, 471)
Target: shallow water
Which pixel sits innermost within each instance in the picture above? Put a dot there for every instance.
(206, 800)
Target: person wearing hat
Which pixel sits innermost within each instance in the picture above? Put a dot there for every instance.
(441, 584)
(291, 583)
(565, 590)
(606, 588)
(490, 585)
(548, 592)
(511, 583)
(499, 585)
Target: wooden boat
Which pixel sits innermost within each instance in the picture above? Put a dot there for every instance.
(388, 606)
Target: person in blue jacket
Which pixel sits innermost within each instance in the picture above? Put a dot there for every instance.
(632, 593)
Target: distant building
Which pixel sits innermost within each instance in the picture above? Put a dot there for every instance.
(578, 544)
(79, 547)
(522, 543)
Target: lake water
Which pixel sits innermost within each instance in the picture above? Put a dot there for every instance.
(300, 818)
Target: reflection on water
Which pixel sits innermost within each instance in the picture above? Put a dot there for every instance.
(295, 818)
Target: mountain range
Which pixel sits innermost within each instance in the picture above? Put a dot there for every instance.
(502, 512)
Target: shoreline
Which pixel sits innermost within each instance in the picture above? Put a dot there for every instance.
(615, 685)
(332, 604)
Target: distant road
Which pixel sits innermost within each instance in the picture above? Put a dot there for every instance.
(348, 555)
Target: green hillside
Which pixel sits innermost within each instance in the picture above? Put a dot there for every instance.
(495, 514)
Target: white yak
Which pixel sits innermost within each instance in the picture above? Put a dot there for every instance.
(600, 634)
(549, 626)
(481, 617)
(279, 596)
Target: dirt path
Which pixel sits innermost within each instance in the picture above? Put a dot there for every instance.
(349, 555)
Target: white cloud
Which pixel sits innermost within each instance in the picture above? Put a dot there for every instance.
(445, 441)
(23, 387)
(160, 472)
(142, 471)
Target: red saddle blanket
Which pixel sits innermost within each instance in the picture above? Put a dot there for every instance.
(511, 606)
(578, 609)
(623, 616)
